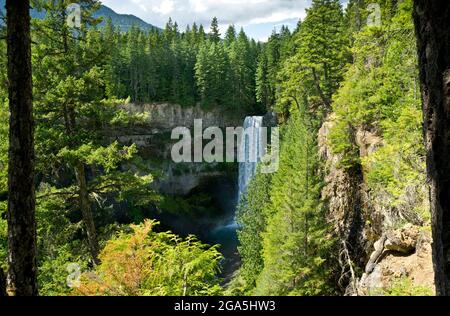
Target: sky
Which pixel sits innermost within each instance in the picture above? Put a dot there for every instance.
(258, 17)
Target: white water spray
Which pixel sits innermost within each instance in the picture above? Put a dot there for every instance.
(252, 149)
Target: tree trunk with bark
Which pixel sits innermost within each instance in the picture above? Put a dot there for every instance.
(83, 201)
(21, 198)
(86, 210)
(432, 20)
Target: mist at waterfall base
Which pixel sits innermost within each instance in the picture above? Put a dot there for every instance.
(252, 149)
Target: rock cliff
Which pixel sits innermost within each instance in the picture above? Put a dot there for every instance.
(380, 250)
(152, 136)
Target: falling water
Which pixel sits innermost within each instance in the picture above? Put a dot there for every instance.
(251, 151)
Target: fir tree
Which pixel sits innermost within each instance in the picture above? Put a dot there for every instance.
(214, 33)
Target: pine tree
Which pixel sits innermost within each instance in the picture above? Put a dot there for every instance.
(270, 60)
(252, 218)
(211, 72)
(242, 72)
(72, 113)
(214, 33)
(201, 34)
(230, 36)
(193, 36)
(295, 246)
(264, 95)
(322, 51)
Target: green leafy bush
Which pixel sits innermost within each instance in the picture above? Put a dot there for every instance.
(146, 263)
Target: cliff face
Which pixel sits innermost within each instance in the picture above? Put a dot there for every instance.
(153, 139)
(165, 116)
(381, 251)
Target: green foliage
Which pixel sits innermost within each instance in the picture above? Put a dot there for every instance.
(53, 272)
(243, 55)
(253, 221)
(58, 245)
(275, 51)
(146, 263)
(230, 36)
(211, 74)
(405, 287)
(285, 245)
(195, 206)
(214, 34)
(295, 243)
(72, 112)
(323, 46)
(312, 74)
(285, 248)
(74, 153)
(107, 157)
(182, 67)
(381, 93)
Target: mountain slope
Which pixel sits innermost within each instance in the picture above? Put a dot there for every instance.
(123, 21)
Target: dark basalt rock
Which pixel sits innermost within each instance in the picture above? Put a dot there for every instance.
(270, 120)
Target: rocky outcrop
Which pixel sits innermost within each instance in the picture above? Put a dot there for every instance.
(183, 182)
(344, 194)
(367, 141)
(152, 137)
(367, 227)
(165, 116)
(403, 254)
(270, 120)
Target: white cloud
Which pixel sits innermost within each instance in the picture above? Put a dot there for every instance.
(259, 17)
(166, 7)
(277, 17)
(239, 12)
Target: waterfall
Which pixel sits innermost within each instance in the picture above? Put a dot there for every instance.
(251, 150)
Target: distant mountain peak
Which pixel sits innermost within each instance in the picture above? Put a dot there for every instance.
(123, 21)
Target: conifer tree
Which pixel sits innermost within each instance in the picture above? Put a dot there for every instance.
(252, 216)
(322, 51)
(295, 246)
(230, 36)
(214, 33)
(73, 114)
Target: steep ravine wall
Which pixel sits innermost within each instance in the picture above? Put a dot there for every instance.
(376, 254)
(153, 139)
(167, 116)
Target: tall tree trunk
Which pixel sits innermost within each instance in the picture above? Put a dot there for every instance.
(21, 199)
(83, 201)
(432, 20)
(85, 206)
(326, 101)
